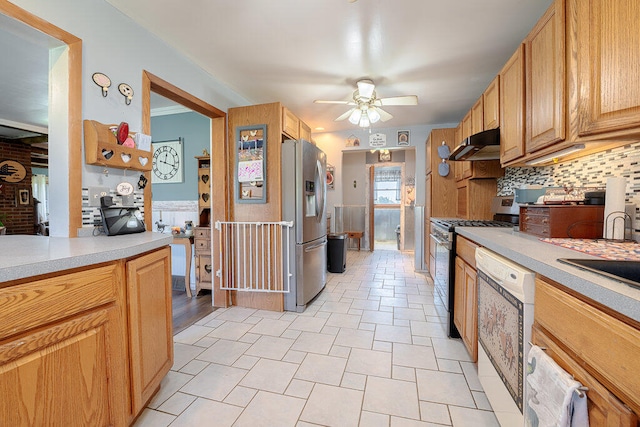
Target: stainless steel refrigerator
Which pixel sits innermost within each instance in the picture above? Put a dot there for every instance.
(304, 190)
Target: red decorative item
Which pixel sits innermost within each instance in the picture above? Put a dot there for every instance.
(129, 143)
(123, 132)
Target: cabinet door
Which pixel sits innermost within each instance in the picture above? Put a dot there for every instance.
(491, 106)
(604, 408)
(463, 169)
(545, 80)
(290, 124)
(512, 108)
(428, 157)
(64, 374)
(477, 117)
(150, 323)
(305, 131)
(459, 297)
(470, 334)
(604, 61)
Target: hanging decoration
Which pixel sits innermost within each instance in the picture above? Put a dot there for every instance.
(103, 81)
(126, 91)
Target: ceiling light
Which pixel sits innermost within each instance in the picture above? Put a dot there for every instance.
(364, 121)
(373, 114)
(320, 128)
(555, 156)
(354, 118)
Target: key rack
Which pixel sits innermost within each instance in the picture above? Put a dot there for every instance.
(101, 148)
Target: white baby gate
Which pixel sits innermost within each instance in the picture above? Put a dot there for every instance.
(254, 256)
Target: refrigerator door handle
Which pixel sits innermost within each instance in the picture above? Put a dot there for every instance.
(321, 201)
(314, 247)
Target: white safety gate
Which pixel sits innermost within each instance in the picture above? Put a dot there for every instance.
(254, 256)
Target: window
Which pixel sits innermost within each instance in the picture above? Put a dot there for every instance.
(387, 186)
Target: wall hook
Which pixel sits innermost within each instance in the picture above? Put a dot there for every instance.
(126, 91)
(103, 81)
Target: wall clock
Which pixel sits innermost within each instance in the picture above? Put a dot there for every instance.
(12, 171)
(168, 165)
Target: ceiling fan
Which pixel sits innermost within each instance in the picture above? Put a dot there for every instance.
(367, 105)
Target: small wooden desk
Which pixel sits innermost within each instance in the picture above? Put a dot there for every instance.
(355, 235)
(186, 241)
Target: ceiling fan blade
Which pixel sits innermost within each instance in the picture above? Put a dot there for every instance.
(320, 101)
(384, 116)
(398, 100)
(345, 115)
(365, 89)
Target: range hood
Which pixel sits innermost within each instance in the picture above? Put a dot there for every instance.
(481, 146)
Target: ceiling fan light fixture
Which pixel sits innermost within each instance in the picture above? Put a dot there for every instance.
(364, 121)
(355, 116)
(373, 114)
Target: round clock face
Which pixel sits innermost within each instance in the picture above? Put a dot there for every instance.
(166, 162)
(12, 171)
(124, 189)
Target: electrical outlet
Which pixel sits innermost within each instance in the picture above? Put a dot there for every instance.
(128, 200)
(95, 193)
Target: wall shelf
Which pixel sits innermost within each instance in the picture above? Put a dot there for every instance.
(101, 148)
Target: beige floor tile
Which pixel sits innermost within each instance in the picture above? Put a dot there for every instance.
(400, 334)
(224, 352)
(313, 343)
(470, 371)
(393, 397)
(435, 413)
(236, 314)
(293, 356)
(365, 304)
(378, 317)
(252, 320)
(354, 338)
(354, 381)
(246, 362)
(444, 387)
(270, 347)
(367, 326)
(335, 307)
(322, 369)
(383, 346)
(268, 314)
(270, 375)
(448, 365)
(406, 422)
(463, 417)
(369, 362)
(214, 382)
(152, 418)
(170, 384)
(206, 342)
(299, 388)
(177, 403)
(382, 292)
(330, 330)
(240, 396)
(192, 334)
(203, 411)
(341, 320)
(450, 349)
(249, 338)
(355, 294)
(308, 324)
(371, 419)
(269, 410)
(291, 334)
(423, 341)
(333, 406)
(400, 322)
(394, 301)
(403, 373)
(270, 327)
(428, 329)
(183, 354)
(340, 351)
(481, 400)
(194, 367)
(409, 314)
(230, 330)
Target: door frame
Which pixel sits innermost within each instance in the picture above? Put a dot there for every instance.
(371, 205)
(218, 163)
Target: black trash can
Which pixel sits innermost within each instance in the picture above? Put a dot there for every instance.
(398, 236)
(336, 252)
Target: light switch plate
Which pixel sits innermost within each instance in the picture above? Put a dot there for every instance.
(95, 193)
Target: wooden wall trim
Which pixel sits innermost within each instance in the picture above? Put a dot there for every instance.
(74, 184)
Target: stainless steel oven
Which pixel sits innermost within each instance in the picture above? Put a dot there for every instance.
(443, 233)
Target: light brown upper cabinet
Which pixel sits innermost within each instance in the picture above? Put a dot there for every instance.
(305, 131)
(477, 117)
(290, 124)
(491, 104)
(512, 107)
(545, 80)
(604, 59)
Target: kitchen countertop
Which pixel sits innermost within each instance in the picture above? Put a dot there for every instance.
(541, 257)
(26, 256)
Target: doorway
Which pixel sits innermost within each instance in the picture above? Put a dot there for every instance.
(387, 189)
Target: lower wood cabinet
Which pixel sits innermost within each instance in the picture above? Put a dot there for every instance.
(150, 324)
(204, 266)
(598, 349)
(85, 347)
(465, 304)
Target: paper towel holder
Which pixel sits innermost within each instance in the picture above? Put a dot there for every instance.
(614, 217)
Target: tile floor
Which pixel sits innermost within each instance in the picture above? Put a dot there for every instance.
(369, 351)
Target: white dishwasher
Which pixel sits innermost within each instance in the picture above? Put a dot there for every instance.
(505, 316)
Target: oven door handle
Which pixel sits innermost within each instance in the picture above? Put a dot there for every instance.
(438, 241)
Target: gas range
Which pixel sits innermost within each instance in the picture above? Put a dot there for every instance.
(451, 223)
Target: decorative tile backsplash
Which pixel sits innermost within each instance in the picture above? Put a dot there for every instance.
(590, 171)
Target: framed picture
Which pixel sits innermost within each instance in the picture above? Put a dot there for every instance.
(24, 198)
(331, 170)
(384, 155)
(251, 166)
(403, 137)
(352, 141)
(168, 162)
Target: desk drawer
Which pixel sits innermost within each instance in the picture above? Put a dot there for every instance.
(201, 244)
(202, 233)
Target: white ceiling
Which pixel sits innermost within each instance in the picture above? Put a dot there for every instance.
(295, 51)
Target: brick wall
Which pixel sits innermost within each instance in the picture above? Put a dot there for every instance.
(19, 219)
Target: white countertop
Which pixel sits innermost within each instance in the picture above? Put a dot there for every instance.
(541, 257)
(26, 256)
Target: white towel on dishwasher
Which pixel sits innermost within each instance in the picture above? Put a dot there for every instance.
(552, 394)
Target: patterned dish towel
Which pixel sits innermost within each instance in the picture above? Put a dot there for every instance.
(553, 396)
